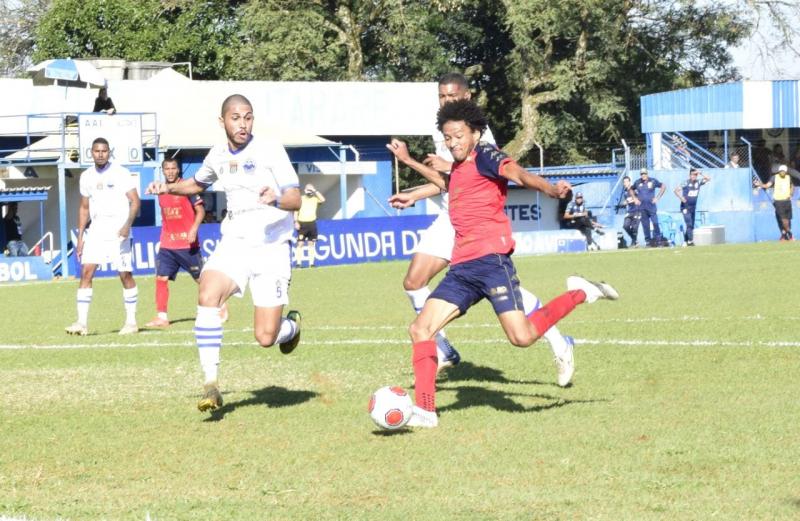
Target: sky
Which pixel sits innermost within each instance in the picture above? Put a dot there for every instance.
(776, 66)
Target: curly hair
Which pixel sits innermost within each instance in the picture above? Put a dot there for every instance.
(462, 110)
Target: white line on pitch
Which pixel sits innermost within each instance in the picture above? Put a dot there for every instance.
(371, 341)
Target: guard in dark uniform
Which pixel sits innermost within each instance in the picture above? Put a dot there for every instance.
(632, 215)
(644, 189)
(687, 193)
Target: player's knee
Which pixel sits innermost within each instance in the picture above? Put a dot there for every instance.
(266, 338)
(522, 338)
(420, 332)
(413, 283)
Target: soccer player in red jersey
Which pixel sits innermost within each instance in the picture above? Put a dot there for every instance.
(179, 247)
(481, 265)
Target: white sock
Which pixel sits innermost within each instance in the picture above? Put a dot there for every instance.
(84, 299)
(531, 303)
(208, 335)
(287, 331)
(418, 297)
(162, 315)
(130, 297)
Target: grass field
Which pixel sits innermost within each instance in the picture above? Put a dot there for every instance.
(685, 402)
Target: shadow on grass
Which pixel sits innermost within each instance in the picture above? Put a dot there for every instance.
(271, 396)
(469, 371)
(387, 433)
(474, 396)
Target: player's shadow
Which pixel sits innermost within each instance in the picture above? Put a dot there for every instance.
(272, 396)
(469, 371)
(179, 320)
(474, 396)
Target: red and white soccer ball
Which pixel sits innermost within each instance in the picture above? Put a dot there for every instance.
(390, 407)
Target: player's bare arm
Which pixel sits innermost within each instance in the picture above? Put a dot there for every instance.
(133, 210)
(182, 187)
(199, 215)
(400, 151)
(83, 221)
(289, 200)
(405, 199)
(514, 172)
(438, 163)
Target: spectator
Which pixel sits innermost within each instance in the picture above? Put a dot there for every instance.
(102, 103)
(632, 214)
(306, 225)
(579, 218)
(12, 226)
(783, 187)
(688, 193)
(644, 189)
(795, 161)
(762, 163)
(734, 161)
(778, 158)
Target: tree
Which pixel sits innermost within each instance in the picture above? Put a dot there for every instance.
(350, 40)
(18, 21)
(581, 66)
(140, 30)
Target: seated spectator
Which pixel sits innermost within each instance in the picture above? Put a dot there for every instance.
(102, 103)
(579, 218)
(12, 226)
(734, 161)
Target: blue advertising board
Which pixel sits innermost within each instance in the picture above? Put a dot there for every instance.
(23, 269)
(349, 241)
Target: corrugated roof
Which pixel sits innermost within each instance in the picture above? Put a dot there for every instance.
(24, 193)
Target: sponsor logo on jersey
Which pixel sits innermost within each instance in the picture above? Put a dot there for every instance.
(249, 167)
(233, 167)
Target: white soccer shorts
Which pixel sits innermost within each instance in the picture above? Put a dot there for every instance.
(266, 268)
(115, 251)
(438, 239)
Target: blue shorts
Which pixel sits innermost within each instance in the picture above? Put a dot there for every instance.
(169, 262)
(492, 276)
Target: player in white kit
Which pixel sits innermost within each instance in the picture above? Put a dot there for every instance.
(110, 202)
(435, 247)
(262, 191)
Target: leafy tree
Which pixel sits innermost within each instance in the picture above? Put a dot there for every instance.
(349, 40)
(580, 66)
(18, 21)
(139, 30)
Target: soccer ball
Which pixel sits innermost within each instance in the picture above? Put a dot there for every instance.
(390, 407)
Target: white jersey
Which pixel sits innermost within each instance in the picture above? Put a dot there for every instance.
(243, 174)
(109, 206)
(443, 152)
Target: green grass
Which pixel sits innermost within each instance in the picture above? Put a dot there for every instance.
(685, 402)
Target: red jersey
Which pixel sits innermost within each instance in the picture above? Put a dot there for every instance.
(477, 205)
(177, 219)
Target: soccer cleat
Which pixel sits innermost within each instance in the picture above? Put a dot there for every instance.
(288, 346)
(593, 290)
(77, 329)
(446, 354)
(212, 398)
(158, 322)
(129, 329)
(566, 365)
(422, 418)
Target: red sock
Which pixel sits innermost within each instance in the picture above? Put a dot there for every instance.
(162, 295)
(425, 365)
(545, 317)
